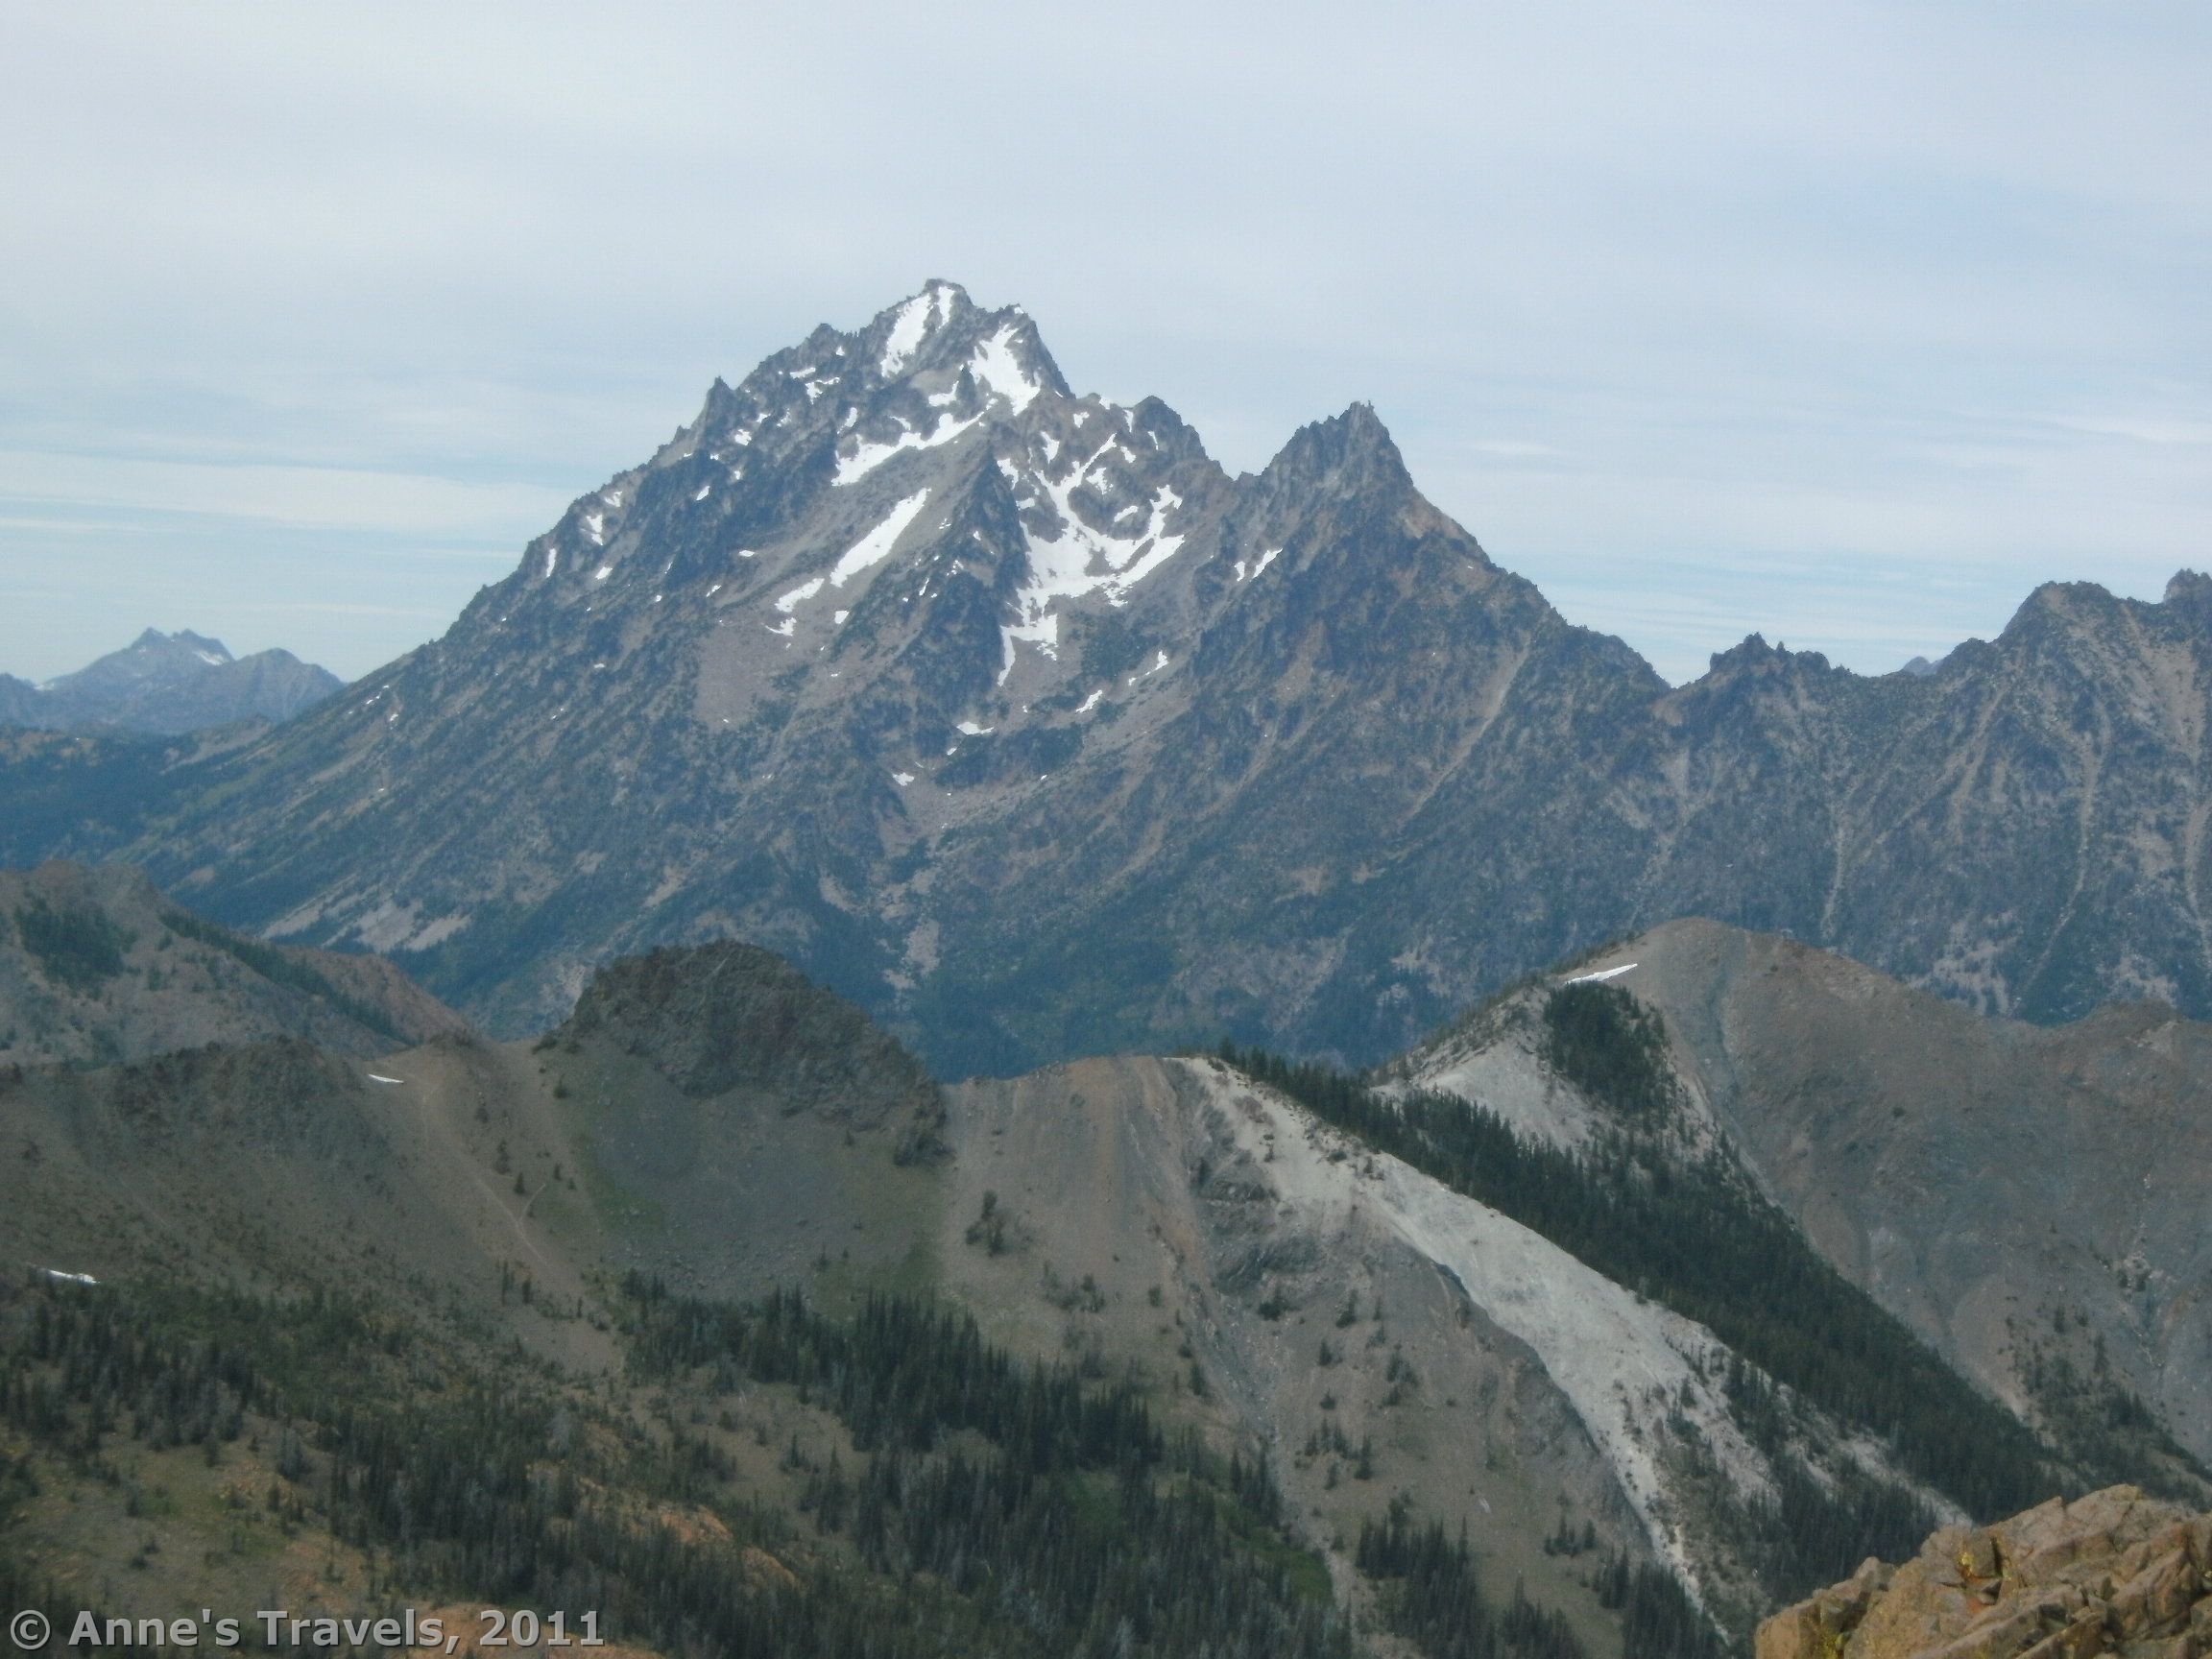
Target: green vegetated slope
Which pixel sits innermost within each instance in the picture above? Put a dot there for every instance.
(524, 1326)
(763, 1480)
(709, 1311)
(468, 1404)
(435, 1394)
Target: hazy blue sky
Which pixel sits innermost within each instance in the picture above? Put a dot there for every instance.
(1845, 323)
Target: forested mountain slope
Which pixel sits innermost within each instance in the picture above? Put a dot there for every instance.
(97, 966)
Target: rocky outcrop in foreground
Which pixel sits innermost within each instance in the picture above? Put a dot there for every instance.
(2115, 1573)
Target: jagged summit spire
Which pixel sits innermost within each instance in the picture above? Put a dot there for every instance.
(2192, 587)
(1353, 451)
(939, 330)
(903, 329)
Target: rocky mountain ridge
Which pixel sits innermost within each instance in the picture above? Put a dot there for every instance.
(2025, 1198)
(1294, 1270)
(708, 1122)
(2116, 1572)
(97, 967)
(1010, 714)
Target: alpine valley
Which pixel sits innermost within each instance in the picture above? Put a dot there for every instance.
(1465, 1150)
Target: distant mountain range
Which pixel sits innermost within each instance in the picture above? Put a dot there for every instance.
(1010, 714)
(169, 683)
(1675, 1277)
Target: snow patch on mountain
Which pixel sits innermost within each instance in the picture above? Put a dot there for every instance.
(918, 319)
(1082, 559)
(996, 365)
(875, 546)
(798, 596)
(868, 455)
(1602, 975)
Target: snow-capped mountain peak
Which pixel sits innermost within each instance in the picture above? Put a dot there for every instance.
(892, 586)
(936, 452)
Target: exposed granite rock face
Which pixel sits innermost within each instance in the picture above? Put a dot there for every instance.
(2115, 1573)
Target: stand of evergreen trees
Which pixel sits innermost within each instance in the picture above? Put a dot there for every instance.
(1432, 1597)
(901, 1373)
(1610, 1046)
(1658, 1619)
(76, 946)
(1814, 1534)
(1082, 1525)
(1002, 1509)
(278, 968)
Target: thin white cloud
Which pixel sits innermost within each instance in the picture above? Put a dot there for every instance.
(318, 607)
(2147, 430)
(306, 497)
